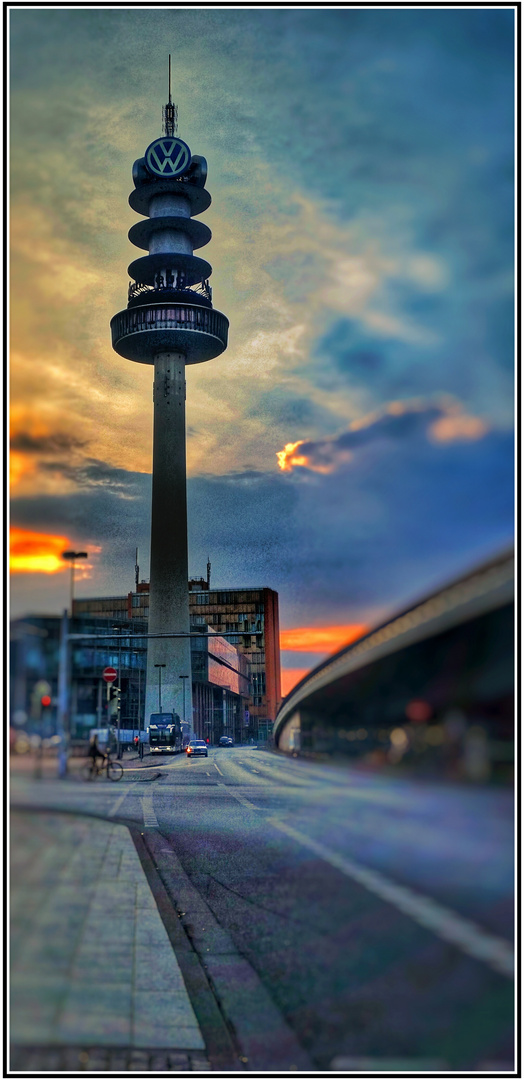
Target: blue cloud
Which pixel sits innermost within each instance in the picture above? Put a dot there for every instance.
(336, 547)
(474, 362)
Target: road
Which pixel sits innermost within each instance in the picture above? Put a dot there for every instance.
(358, 920)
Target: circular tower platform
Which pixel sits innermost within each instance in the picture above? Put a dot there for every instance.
(139, 333)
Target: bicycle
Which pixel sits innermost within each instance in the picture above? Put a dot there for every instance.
(112, 769)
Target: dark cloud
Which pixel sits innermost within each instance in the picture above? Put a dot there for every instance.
(282, 407)
(473, 362)
(336, 547)
(107, 510)
(411, 514)
(92, 473)
(351, 352)
(54, 443)
(400, 420)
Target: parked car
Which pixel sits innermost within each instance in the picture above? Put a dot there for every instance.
(197, 746)
(225, 741)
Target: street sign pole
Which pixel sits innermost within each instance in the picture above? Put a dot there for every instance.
(63, 698)
(109, 675)
(119, 697)
(99, 703)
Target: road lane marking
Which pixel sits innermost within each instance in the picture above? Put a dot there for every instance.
(240, 798)
(217, 768)
(463, 933)
(116, 805)
(150, 820)
(245, 802)
(273, 774)
(401, 1065)
(243, 768)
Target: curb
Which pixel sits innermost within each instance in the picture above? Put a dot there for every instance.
(221, 1048)
(265, 1040)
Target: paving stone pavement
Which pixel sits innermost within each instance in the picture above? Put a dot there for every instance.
(103, 1059)
(93, 973)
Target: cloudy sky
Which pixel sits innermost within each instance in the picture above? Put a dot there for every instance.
(352, 449)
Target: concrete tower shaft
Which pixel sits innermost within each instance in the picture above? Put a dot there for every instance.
(169, 599)
(169, 322)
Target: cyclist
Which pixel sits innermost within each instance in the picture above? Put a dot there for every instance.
(95, 752)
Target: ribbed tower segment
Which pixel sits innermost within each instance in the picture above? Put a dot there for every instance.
(169, 322)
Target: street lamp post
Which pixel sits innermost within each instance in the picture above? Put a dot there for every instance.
(160, 666)
(72, 556)
(119, 698)
(184, 677)
(138, 702)
(63, 725)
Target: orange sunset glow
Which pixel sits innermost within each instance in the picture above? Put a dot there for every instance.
(287, 456)
(19, 465)
(315, 639)
(290, 677)
(321, 639)
(288, 459)
(36, 553)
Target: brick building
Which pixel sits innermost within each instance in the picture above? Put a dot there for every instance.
(248, 616)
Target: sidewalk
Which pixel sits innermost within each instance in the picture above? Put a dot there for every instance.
(46, 767)
(95, 984)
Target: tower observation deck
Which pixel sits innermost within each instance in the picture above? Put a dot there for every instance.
(169, 322)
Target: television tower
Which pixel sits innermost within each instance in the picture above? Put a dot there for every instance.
(169, 322)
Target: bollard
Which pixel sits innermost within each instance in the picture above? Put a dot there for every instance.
(62, 762)
(37, 774)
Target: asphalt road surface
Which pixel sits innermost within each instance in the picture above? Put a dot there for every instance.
(357, 921)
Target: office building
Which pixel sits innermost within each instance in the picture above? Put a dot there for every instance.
(248, 616)
(220, 683)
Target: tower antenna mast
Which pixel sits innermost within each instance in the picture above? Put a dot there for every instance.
(169, 111)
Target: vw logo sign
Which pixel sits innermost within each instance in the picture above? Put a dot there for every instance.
(168, 157)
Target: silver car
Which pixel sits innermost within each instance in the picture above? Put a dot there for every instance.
(197, 746)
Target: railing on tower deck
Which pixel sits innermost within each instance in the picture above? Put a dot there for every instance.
(173, 317)
(176, 282)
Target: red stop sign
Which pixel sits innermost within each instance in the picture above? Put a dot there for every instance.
(109, 674)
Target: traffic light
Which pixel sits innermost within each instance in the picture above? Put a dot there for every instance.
(41, 691)
(114, 699)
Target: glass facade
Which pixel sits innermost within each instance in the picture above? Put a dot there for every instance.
(250, 619)
(219, 672)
